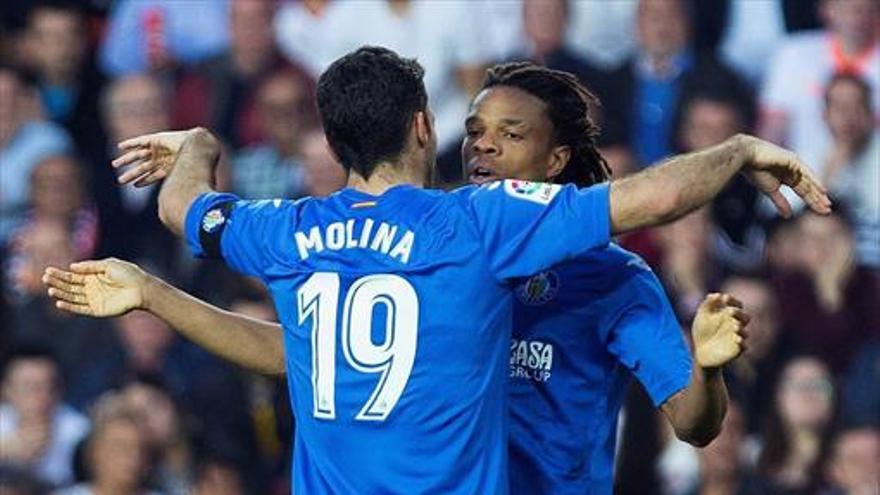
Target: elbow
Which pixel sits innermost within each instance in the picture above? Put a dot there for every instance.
(697, 438)
(274, 366)
(271, 370)
(203, 141)
(168, 213)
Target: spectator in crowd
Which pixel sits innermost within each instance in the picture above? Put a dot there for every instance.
(749, 33)
(73, 340)
(323, 175)
(117, 459)
(58, 191)
(274, 169)
(302, 32)
(791, 98)
(686, 262)
(219, 92)
(798, 429)
(782, 251)
(44, 242)
(723, 470)
(38, 432)
(69, 84)
(714, 111)
(601, 33)
(132, 106)
(207, 389)
(218, 476)
(746, 34)
(454, 59)
(647, 89)
(148, 35)
(24, 141)
(753, 377)
(544, 28)
(145, 346)
(829, 303)
(17, 481)
(852, 163)
(861, 393)
(163, 428)
(854, 467)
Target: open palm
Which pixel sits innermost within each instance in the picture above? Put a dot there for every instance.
(150, 157)
(102, 288)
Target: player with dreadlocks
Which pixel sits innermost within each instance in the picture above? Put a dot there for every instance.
(582, 328)
(568, 104)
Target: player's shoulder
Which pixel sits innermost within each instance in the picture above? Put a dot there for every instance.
(501, 190)
(614, 272)
(611, 260)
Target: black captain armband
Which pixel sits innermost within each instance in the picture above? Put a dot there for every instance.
(211, 229)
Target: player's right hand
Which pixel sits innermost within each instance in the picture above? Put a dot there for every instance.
(768, 167)
(102, 288)
(150, 157)
(719, 331)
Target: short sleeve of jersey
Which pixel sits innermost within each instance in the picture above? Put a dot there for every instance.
(641, 330)
(244, 234)
(529, 226)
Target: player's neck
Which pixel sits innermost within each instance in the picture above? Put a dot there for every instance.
(383, 178)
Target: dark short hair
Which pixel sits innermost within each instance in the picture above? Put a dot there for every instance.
(567, 102)
(367, 100)
(27, 351)
(849, 77)
(69, 7)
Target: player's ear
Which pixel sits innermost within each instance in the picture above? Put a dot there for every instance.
(423, 127)
(559, 158)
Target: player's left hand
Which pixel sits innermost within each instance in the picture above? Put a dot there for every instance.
(102, 288)
(150, 157)
(769, 167)
(719, 331)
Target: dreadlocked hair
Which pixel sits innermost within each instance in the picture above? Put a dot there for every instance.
(568, 106)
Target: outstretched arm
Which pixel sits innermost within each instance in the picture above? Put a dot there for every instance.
(697, 411)
(185, 159)
(681, 184)
(113, 287)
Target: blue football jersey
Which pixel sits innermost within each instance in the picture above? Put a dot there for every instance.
(397, 312)
(581, 330)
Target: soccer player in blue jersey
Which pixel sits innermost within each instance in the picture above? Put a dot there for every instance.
(438, 384)
(583, 328)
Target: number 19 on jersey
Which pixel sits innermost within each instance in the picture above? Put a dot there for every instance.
(318, 299)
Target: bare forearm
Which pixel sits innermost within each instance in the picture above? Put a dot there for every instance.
(674, 188)
(250, 343)
(192, 175)
(696, 413)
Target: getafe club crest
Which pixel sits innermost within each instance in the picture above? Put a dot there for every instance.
(539, 289)
(212, 220)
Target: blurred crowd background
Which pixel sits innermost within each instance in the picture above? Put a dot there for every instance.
(126, 406)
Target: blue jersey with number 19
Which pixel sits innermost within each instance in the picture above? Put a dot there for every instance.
(397, 312)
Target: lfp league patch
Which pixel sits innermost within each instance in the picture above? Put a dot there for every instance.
(537, 192)
(213, 220)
